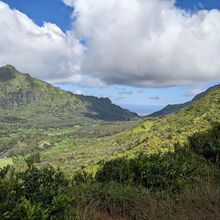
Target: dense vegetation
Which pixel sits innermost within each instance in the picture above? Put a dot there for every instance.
(162, 134)
(66, 163)
(35, 116)
(68, 147)
(172, 185)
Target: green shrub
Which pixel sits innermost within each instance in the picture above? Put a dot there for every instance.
(207, 143)
(82, 177)
(35, 157)
(171, 171)
(33, 193)
(28, 211)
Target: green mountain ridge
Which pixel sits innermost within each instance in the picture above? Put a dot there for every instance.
(161, 134)
(170, 109)
(27, 98)
(162, 168)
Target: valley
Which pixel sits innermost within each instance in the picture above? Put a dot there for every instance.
(109, 110)
(82, 157)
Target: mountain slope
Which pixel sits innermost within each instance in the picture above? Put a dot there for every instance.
(24, 97)
(163, 133)
(169, 109)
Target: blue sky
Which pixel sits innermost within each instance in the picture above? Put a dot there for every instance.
(41, 11)
(55, 11)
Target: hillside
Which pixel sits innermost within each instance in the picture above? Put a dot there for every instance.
(166, 168)
(151, 135)
(161, 134)
(160, 169)
(170, 109)
(25, 98)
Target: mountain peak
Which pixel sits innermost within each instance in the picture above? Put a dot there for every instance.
(9, 67)
(7, 72)
(20, 93)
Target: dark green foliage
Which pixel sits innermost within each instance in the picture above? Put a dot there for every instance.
(7, 73)
(121, 187)
(207, 143)
(35, 157)
(26, 210)
(82, 177)
(171, 171)
(169, 109)
(33, 193)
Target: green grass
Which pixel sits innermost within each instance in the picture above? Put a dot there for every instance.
(70, 148)
(6, 161)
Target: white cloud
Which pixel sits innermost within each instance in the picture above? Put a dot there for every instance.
(79, 92)
(69, 2)
(129, 42)
(194, 92)
(148, 43)
(44, 52)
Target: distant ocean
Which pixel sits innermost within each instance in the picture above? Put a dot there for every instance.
(142, 109)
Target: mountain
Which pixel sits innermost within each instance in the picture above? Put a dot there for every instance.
(161, 134)
(25, 98)
(162, 172)
(170, 109)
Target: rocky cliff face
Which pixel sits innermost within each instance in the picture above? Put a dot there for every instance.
(15, 99)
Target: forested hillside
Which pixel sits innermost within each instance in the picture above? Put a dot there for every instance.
(165, 168)
(25, 98)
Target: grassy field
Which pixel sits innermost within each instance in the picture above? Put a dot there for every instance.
(84, 145)
(70, 148)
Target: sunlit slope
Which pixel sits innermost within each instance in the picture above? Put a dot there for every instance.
(23, 97)
(161, 134)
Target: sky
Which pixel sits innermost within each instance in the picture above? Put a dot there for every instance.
(142, 54)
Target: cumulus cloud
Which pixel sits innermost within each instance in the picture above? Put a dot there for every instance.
(128, 42)
(155, 98)
(79, 92)
(193, 92)
(69, 2)
(44, 52)
(148, 43)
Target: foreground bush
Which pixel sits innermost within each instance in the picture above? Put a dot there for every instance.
(207, 143)
(171, 171)
(33, 194)
(174, 185)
